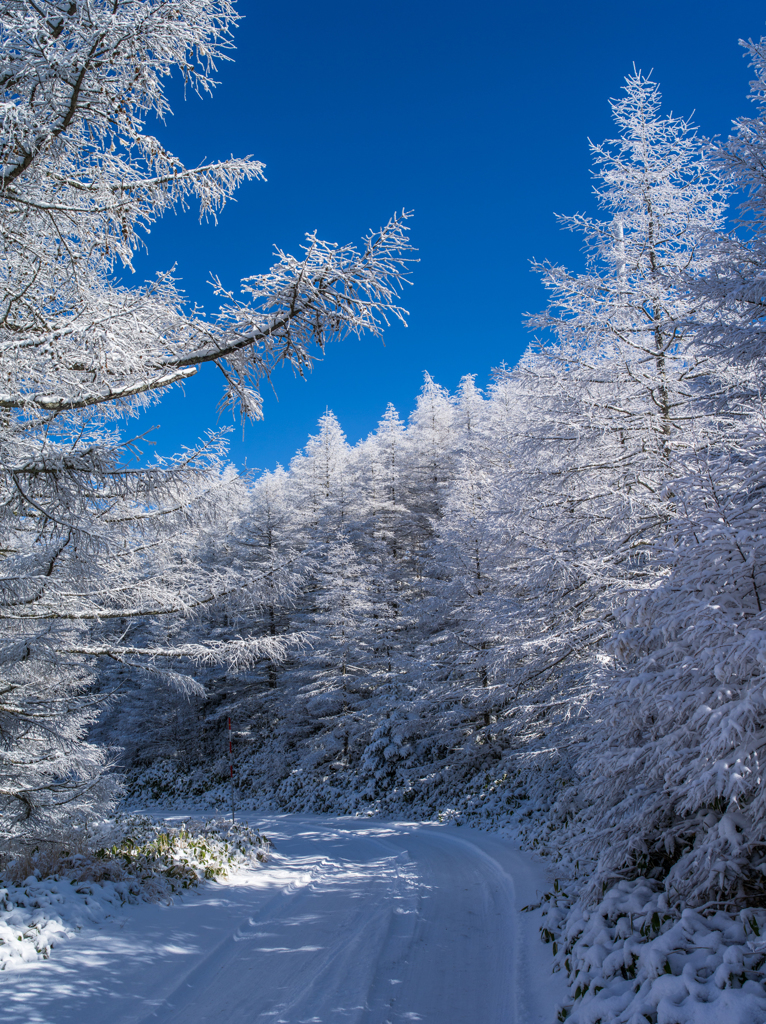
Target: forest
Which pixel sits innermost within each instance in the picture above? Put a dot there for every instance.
(540, 602)
(546, 595)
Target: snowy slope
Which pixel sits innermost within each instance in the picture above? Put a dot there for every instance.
(351, 920)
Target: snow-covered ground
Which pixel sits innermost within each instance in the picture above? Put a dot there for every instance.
(350, 920)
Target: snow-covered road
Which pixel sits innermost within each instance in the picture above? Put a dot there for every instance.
(351, 920)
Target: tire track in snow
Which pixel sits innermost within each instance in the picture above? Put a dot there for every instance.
(353, 920)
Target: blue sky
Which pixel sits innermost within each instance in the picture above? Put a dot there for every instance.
(476, 116)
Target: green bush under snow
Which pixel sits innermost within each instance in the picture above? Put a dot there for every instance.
(47, 895)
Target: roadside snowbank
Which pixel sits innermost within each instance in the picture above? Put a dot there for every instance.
(635, 959)
(144, 861)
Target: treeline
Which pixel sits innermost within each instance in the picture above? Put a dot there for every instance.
(549, 595)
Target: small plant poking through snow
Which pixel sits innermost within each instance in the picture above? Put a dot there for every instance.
(46, 896)
(182, 856)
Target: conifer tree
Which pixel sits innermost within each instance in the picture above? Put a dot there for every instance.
(89, 537)
(612, 400)
(682, 716)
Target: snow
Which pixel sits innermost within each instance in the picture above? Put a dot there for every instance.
(350, 920)
(141, 860)
(633, 958)
(40, 914)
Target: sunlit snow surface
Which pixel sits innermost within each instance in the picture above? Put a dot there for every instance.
(350, 921)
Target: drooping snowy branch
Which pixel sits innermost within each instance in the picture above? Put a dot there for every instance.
(98, 548)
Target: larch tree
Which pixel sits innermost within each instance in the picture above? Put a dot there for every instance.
(677, 788)
(610, 399)
(89, 534)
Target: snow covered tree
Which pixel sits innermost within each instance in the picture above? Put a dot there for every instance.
(268, 544)
(321, 477)
(673, 776)
(88, 535)
(388, 537)
(611, 397)
(732, 325)
(677, 789)
(622, 343)
(341, 655)
(431, 452)
(449, 714)
(184, 723)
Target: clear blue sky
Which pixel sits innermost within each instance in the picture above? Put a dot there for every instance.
(476, 116)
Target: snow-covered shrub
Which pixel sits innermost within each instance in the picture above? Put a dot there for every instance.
(194, 851)
(47, 895)
(37, 914)
(165, 783)
(635, 958)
